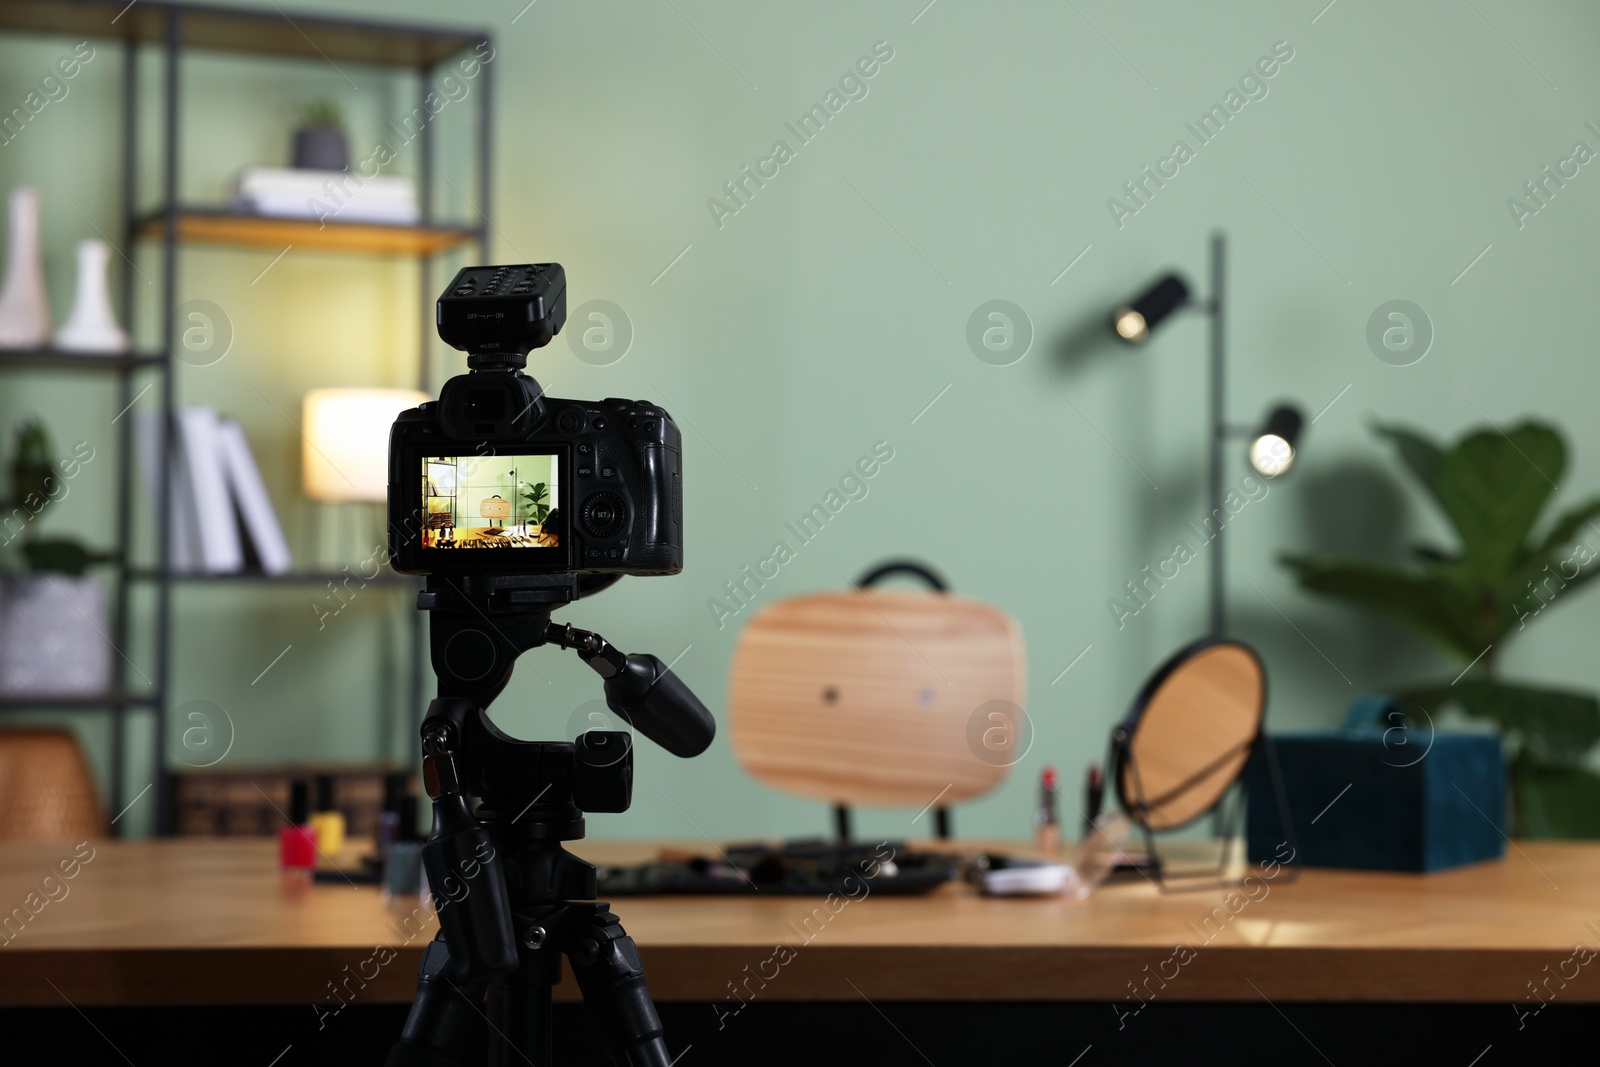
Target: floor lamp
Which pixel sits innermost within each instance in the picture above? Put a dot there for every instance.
(1272, 442)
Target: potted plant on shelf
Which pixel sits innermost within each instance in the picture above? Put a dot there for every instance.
(52, 612)
(320, 142)
(1472, 598)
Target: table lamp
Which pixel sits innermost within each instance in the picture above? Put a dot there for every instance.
(346, 434)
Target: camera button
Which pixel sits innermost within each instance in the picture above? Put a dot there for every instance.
(608, 472)
(599, 423)
(584, 450)
(594, 553)
(613, 553)
(570, 422)
(585, 472)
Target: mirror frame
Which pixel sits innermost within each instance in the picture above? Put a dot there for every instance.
(1122, 736)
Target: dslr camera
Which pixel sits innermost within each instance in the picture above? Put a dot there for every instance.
(494, 477)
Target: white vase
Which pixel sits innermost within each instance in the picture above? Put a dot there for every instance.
(24, 311)
(92, 326)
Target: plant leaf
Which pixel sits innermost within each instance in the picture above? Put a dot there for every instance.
(1555, 801)
(1418, 453)
(1493, 487)
(1522, 604)
(1555, 725)
(1430, 603)
(1562, 534)
(60, 554)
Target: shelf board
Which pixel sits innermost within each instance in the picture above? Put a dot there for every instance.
(318, 577)
(56, 359)
(263, 32)
(213, 226)
(16, 701)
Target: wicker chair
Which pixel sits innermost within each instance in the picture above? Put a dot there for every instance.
(46, 790)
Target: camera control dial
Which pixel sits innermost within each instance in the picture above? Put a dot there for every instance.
(603, 514)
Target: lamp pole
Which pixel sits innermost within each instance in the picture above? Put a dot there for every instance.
(1218, 429)
(1272, 448)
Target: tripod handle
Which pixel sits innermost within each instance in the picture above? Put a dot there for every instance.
(468, 884)
(642, 690)
(657, 704)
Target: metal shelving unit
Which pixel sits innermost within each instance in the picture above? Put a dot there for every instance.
(173, 29)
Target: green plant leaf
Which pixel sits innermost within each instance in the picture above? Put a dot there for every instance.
(1563, 533)
(1555, 725)
(1429, 603)
(1418, 453)
(323, 113)
(33, 469)
(62, 555)
(1555, 801)
(1493, 487)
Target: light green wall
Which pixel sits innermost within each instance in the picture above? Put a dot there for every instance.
(827, 313)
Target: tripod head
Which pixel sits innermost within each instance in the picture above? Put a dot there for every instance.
(533, 793)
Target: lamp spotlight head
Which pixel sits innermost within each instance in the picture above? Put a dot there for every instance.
(1272, 450)
(1134, 321)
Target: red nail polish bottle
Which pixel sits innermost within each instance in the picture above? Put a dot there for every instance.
(297, 842)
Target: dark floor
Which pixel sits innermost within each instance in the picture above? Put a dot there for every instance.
(842, 1034)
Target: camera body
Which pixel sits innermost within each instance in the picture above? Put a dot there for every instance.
(496, 478)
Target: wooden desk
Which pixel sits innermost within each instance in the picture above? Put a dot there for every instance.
(205, 921)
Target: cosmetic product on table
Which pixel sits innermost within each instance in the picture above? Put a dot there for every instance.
(1046, 822)
(1094, 797)
(328, 821)
(394, 797)
(402, 869)
(297, 842)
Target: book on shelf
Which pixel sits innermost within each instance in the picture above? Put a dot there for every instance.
(220, 549)
(256, 516)
(183, 533)
(220, 513)
(335, 195)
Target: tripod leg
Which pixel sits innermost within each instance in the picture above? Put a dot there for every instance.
(519, 1016)
(444, 1015)
(606, 963)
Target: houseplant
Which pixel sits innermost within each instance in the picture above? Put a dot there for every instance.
(319, 140)
(52, 612)
(533, 499)
(1472, 598)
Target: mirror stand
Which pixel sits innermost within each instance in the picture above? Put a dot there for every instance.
(1229, 823)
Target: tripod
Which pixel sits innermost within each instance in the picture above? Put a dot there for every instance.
(511, 900)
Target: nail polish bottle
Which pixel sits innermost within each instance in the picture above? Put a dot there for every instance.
(297, 842)
(394, 795)
(328, 820)
(402, 873)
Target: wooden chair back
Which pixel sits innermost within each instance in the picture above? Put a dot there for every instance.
(878, 696)
(46, 790)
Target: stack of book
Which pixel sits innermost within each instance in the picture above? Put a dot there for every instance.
(290, 192)
(221, 519)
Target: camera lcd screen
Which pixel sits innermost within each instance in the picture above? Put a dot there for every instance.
(496, 501)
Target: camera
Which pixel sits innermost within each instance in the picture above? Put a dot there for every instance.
(495, 477)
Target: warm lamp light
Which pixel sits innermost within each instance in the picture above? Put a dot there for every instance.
(346, 452)
(1272, 449)
(1134, 321)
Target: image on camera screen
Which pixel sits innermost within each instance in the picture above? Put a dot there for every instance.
(495, 501)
